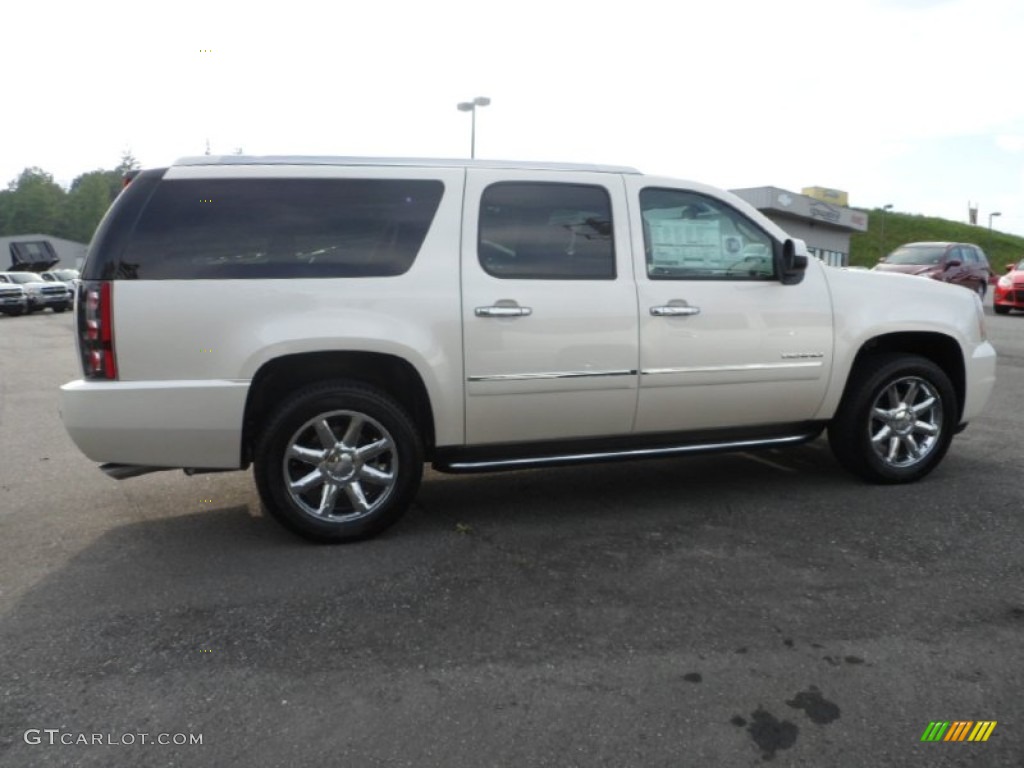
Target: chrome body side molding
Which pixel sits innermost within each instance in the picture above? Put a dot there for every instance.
(490, 458)
(549, 375)
(726, 368)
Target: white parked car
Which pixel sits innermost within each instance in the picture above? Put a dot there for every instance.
(337, 322)
(39, 292)
(70, 277)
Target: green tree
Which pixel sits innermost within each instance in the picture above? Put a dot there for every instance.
(6, 208)
(33, 203)
(128, 163)
(87, 200)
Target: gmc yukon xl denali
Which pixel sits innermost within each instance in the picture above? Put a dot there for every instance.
(337, 322)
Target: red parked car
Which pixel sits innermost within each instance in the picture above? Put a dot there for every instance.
(1009, 291)
(960, 263)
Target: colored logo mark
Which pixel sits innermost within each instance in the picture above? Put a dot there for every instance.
(959, 730)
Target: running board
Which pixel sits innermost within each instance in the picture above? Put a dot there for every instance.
(589, 457)
(125, 471)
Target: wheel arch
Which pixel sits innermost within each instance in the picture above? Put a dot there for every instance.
(941, 349)
(391, 374)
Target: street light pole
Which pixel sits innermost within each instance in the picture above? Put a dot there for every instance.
(470, 106)
(881, 233)
(990, 217)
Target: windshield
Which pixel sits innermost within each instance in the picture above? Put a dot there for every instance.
(917, 254)
(65, 274)
(24, 277)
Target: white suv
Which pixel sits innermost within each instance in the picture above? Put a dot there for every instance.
(337, 322)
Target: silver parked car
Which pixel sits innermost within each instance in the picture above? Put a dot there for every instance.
(70, 277)
(13, 300)
(40, 293)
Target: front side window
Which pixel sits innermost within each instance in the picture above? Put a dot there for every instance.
(280, 228)
(688, 236)
(542, 231)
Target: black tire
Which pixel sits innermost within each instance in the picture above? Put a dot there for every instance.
(885, 380)
(981, 290)
(1000, 309)
(376, 459)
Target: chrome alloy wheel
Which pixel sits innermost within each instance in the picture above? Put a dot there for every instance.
(906, 422)
(340, 466)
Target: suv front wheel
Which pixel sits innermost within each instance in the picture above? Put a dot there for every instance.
(338, 461)
(896, 420)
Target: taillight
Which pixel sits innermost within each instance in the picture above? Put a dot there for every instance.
(96, 329)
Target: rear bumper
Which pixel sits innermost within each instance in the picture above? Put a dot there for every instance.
(981, 379)
(157, 423)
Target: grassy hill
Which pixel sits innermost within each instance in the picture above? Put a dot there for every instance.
(867, 247)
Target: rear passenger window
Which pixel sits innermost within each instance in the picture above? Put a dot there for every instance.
(281, 228)
(539, 231)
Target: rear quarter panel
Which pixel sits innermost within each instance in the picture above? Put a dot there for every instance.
(167, 330)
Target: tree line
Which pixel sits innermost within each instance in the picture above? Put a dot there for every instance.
(34, 203)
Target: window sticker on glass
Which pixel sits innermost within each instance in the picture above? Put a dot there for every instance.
(679, 242)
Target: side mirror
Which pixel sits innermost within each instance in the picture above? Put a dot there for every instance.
(790, 266)
(952, 263)
(883, 260)
(1009, 267)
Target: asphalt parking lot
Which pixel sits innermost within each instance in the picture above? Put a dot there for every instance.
(714, 611)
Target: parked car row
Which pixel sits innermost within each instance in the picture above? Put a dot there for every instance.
(27, 292)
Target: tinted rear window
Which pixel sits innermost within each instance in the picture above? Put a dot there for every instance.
(280, 228)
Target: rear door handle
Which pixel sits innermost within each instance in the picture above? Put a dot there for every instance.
(502, 311)
(675, 310)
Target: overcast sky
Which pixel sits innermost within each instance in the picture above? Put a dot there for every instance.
(916, 103)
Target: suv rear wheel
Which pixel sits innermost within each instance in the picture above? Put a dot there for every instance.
(338, 461)
(896, 419)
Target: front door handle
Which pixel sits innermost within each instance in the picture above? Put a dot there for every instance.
(502, 311)
(675, 310)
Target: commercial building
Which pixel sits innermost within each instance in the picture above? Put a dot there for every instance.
(817, 218)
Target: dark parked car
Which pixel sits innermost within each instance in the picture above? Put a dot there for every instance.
(1009, 291)
(960, 263)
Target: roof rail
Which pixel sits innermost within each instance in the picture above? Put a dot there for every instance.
(398, 161)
